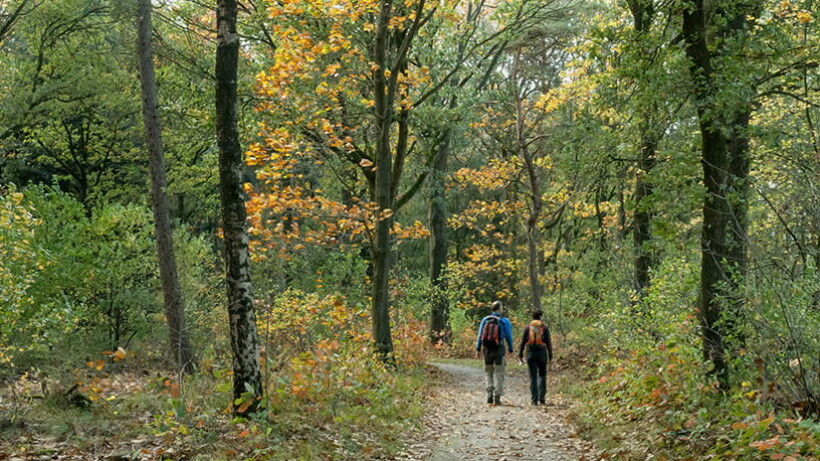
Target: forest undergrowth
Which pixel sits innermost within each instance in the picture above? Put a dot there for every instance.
(326, 397)
(653, 403)
(331, 399)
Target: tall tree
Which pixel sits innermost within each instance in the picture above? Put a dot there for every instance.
(467, 35)
(390, 57)
(244, 340)
(528, 83)
(349, 109)
(384, 96)
(642, 15)
(524, 139)
(724, 151)
(172, 293)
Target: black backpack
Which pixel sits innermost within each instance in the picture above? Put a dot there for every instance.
(491, 333)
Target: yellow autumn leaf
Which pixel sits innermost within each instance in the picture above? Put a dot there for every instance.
(119, 354)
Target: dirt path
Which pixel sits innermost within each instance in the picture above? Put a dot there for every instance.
(460, 426)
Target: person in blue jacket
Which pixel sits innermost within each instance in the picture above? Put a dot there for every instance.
(494, 331)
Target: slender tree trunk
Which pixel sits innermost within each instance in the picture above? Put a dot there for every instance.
(715, 206)
(739, 165)
(381, 245)
(533, 239)
(621, 213)
(174, 308)
(244, 340)
(642, 13)
(389, 164)
(714, 253)
(513, 288)
(439, 312)
(535, 259)
(642, 232)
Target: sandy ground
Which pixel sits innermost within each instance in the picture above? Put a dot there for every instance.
(461, 426)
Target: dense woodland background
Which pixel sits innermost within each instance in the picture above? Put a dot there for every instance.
(642, 171)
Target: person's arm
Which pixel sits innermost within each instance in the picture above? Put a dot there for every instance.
(523, 343)
(478, 338)
(548, 341)
(508, 327)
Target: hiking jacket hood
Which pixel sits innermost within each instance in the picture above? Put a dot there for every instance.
(506, 332)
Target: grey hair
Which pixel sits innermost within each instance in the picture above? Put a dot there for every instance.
(496, 306)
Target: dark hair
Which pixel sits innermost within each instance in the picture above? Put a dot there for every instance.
(496, 306)
(537, 315)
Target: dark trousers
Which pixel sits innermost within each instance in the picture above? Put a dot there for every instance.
(537, 365)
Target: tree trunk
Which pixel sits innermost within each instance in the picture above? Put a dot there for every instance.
(535, 258)
(388, 165)
(172, 293)
(439, 312)
(739, 166)
(642, 232)
(381, 245)
(715, 206)
(244, 340)
(642, 13)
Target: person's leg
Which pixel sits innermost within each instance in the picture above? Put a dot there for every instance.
(532, 367)
(488, 378)
(489, 370)
(542, 377)
(500, 365)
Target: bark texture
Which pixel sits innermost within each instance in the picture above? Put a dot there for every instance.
(244, 340)
(172, 293)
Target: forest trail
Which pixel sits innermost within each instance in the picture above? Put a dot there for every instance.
(460, 426)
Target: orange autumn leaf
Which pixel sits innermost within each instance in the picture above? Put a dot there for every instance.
(763, 445)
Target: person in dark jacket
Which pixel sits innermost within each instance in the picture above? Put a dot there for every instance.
(536, 338)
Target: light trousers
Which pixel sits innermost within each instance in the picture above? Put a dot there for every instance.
(494, 367)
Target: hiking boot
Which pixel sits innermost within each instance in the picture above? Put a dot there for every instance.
(497, 400)
(490, 399)
(542, 402)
